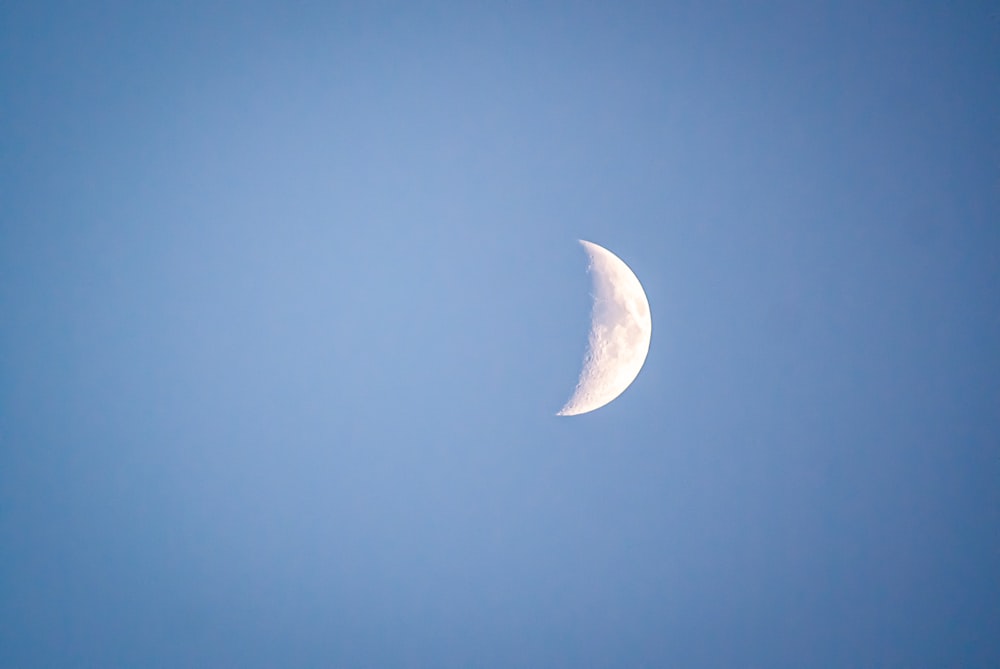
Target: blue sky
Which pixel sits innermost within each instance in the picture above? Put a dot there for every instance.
(290, 294)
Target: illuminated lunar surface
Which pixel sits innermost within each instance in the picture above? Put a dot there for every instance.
(619, 333)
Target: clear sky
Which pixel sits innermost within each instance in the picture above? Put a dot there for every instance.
(290, 293)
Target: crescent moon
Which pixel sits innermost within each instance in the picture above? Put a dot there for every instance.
(620, 331)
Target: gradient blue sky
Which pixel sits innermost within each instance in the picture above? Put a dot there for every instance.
(290, 292)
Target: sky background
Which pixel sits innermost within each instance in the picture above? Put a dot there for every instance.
(290, 294)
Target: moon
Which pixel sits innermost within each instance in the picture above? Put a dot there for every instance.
(620, 331)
